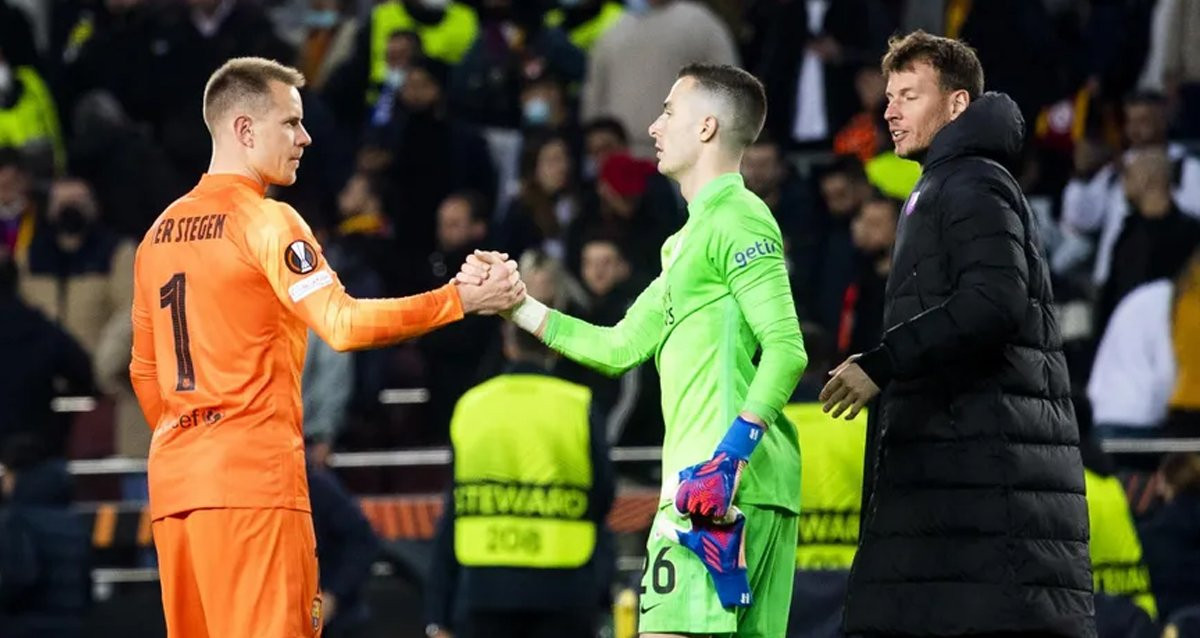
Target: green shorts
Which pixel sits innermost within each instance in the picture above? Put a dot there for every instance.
(678, 596)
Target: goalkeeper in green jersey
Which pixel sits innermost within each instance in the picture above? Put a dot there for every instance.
(721, 552)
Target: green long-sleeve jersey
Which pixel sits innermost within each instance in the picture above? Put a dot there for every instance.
(723, 292)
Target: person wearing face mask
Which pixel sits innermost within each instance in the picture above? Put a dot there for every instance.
(585, 20)
(77, 272)
(446, 30)
(429, 155)
(326, 39)
(514, 47)
(28, 115)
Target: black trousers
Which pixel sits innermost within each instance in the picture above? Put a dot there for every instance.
(529, 624)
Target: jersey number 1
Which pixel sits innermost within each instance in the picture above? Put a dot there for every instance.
(173, 295)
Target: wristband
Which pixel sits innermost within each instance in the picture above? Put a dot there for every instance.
(741, 439)
(529, 314)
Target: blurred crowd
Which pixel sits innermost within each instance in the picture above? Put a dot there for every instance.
(442, 126)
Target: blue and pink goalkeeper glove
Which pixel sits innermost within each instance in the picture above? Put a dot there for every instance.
(707, 489)
(721, 546)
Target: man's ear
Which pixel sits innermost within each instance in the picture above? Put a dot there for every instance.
(959, 101)
(708, 128)
(243, 130)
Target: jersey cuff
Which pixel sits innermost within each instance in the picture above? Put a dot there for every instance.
(761, 410)
(553, 319)
(451, 292)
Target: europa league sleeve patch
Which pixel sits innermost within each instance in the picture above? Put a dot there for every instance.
(300, 257)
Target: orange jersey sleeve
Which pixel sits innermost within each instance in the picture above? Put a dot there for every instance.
(226, 285)
(283, 246)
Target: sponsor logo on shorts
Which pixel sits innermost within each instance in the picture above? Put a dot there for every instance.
(316, 613)
(300, 257)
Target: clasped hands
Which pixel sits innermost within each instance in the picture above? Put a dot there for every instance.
(489, 283)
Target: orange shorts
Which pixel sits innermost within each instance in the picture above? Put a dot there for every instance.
(239, 573)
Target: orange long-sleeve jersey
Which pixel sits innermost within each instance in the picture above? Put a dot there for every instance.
(226, 282)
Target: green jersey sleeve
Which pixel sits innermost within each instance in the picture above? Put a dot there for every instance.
(747, 250)
(611, 350)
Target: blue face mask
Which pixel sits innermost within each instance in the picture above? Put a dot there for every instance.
(536, 112)
(321, 19)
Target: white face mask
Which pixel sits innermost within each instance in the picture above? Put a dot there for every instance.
(435, 4)
(6, 79)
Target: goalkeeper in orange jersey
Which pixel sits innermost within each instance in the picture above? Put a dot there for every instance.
(227, 282)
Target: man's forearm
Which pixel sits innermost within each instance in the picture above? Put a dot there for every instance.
(611, 351)
(354, 324)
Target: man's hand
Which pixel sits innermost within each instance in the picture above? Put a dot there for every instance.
(850, 388)
(707, 489)
(319, 453)
(498, 288)
(475, 269)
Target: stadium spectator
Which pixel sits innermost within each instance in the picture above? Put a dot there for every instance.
(453, 355)
(16, 34)
(45, 566)
(642, 53)
(812, 52)
(322, 32)
(106, 149)
(1094, 201)
(1156, 238)
(547, 203)
(77, 271)
(189, 41)
(632, 203)
(629, 405)
(602, 137)
(873, 232)
(1171, 536)
(326, 384)
(44, 360)
(429, 154)
(769, 175)
(514, 46)
(544, 105)
(824, 248)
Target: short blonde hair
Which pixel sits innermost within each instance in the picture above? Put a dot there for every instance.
(244, 79)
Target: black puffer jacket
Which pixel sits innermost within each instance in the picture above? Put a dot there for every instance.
(975, 517)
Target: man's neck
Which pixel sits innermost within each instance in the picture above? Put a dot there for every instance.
(222, 166)
(703, 172)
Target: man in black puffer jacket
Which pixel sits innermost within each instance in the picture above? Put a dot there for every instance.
(975, 521)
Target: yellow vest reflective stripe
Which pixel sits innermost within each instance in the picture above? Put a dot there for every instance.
(586, 34)
(1117, 567)
(831, 480)
(447, 40)
(523, 474)
(33, 117)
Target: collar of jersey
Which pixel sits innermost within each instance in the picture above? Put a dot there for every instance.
(712, 190)
(222, 180)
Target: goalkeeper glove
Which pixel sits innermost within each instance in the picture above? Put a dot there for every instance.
(707, 489)
(721, 547)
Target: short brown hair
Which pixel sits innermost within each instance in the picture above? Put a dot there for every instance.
(242, 79)
(957, 64)
(742, 90)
